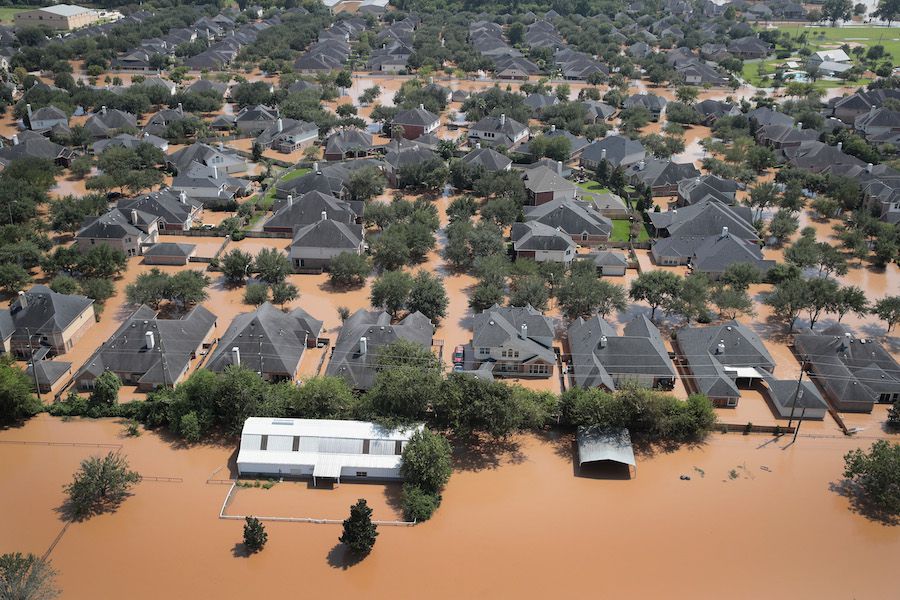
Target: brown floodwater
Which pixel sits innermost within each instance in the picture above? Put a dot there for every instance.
(515, 521)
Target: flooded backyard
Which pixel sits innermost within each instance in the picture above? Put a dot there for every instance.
(515, 521)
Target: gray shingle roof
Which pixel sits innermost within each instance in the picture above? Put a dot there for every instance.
(45, 312)
(571, 217)
(853, 371)
(170, 249)
(699, 346)
(499, 326)
(359, 369)
(619, 151)
(600, 356)
(328, 234)
(535, 236)
(126, 351)
(268, 340)
(542, 179)
(488, 158)
(308, 208)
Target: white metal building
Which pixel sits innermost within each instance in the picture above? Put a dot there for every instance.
(321, 448)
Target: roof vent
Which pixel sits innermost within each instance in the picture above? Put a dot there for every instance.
(603, 341)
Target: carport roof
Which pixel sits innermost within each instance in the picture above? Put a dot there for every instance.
(596, 443)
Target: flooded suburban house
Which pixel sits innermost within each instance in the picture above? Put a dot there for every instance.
(355, 353)
(268, 341)
(600, 357)
(150, 352)
(43, 319)
(514, 341)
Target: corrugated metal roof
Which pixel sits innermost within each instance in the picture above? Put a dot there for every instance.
(326, 428)
(596, 443)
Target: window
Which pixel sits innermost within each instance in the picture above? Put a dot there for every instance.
(509, 353)
(732, 402)
(484, 351)
(584, 236)
(538, 369)
(362, 473)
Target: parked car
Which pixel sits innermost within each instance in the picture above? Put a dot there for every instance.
(458, 368)
(458, 355)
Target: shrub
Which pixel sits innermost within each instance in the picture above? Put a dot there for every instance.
(418, 505)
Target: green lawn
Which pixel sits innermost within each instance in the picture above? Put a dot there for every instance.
(265, 201)
(751, 74)
(620, 231)
(823, 38)
(8, 13)
(593, 187)
(820, 37)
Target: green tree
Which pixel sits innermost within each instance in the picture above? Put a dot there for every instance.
(783, 225)
(102, 262)
(390, 250)
(888, 310)
(819, 294)
(837, 10)
(256, 294)
(877, 475)
(787, 300)
(284, 292)
(324, 398)
(691, 299)
(189, 427)
(741, 275)
(762, 196)
(582, 294)
(365, 184)
(255, 536)
(427, 461)
(13, 278)
(349, 269)
(686, 94)
(100, 484)
(391, 291)
(359, 531)
(655, 288)
(27, 577)
(99, 290)
(849, 299)
(887, 10)
(188, 287)
(150, 288)
(235, 266)
(731, 301)
(271, 266)
(64, 284)
(106, 389)
(485, 294)
(17, 401)
(428, 296)
(529, 290)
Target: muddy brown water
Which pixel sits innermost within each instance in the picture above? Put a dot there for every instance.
(516, 523)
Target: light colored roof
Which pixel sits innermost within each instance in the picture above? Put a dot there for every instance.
(332, 428)
(65, 10)
(596, 443)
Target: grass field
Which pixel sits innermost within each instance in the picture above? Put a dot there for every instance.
(867, 36)
(620, 231)
(8, 13)
(821, 38)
